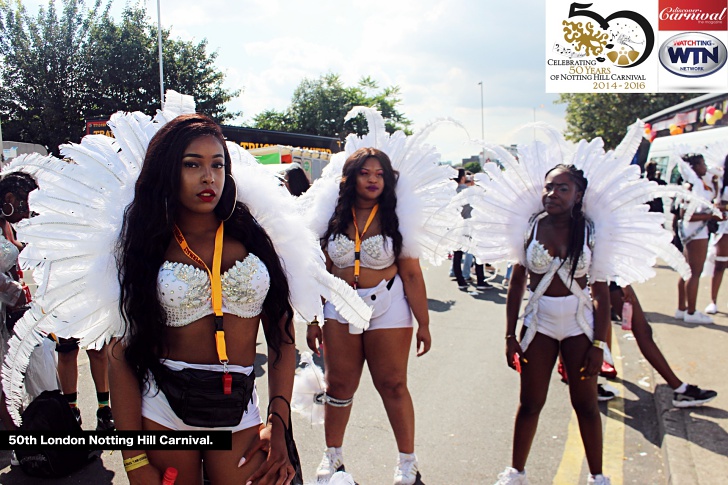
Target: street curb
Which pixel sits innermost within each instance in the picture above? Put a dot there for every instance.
(675, 446)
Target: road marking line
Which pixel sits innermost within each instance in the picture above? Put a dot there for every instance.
(570, 466)
(613, 454)
(569, 470)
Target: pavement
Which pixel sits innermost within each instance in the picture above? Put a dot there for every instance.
(465, 399)
(694, 441)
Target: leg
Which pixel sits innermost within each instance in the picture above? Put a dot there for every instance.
(222, 466)
(681, 295)
(535, 376)
(721, 262)
(480, 274)
(643, 334)
(387, 353)
(584, 400)
(696, 251)
(457, 267)
(716, 280)
(187, 462)
(68, 368)
(99, 363)
(344, 360)
(467, 264)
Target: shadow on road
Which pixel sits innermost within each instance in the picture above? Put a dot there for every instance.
(439, 306)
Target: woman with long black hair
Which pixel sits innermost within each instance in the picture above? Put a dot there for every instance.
(183, 231)
(365, 216)
(561, 315)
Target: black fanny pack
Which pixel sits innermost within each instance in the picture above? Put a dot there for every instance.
(197, 398)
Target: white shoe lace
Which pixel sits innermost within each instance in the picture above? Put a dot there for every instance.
(405, 473)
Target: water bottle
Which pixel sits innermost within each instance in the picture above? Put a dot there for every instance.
(170, 475)
(626, 316)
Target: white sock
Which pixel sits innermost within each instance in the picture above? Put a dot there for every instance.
(403, 457)
(682, 388)
(334, 449)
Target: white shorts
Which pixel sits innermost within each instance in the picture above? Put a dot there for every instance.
(693, 230)
(557, 317)
(156, 407)
(398, 315)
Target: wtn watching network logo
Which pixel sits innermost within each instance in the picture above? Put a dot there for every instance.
(692, 54)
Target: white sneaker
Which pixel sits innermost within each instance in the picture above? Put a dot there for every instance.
(406, 472)
(332, 462)
(679, 314)
(697, 317)
(511, 476)
(598, 480)
(711, 309)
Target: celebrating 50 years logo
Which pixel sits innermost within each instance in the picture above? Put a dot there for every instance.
(624, 38)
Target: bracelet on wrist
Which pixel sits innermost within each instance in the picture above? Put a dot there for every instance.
(313, 323)
(600, 344)
(510, 335)
(136, 462)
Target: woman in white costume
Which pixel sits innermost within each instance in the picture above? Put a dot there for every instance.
(719, 243)
(563, 317)
(371, 216)
(694, 236)
(198, 264)
(365, 212)
(575, 219)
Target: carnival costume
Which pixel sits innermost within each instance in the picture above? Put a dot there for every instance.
(623, 239)
(426, 215)
(714, 156)
(72, 243)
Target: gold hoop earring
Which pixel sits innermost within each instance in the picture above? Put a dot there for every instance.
(235, 193)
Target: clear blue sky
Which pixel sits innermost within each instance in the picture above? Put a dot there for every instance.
(435, 50)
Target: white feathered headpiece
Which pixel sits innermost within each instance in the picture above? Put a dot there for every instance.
(72, 243)
(627, 238)
(424, 189)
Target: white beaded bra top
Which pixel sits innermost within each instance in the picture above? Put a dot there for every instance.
(539, 260)
(186, 295)
(376, 251)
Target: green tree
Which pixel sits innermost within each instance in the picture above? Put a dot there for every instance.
(42, 84)
(318, 107)
(473, 167)
(589, 115)
(125, 60)
(271, 119)
(58, 70)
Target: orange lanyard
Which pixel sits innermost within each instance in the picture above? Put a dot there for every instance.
(216, 284)
(357, 241)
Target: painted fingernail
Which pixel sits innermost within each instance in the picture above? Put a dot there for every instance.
(249, 483)
(241, 462)
(525, 360)
(582, 369)
(583, 378)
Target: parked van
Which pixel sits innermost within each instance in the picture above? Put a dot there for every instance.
(663, 147)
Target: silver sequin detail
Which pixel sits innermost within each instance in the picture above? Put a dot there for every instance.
(241, 295)
(373, 252)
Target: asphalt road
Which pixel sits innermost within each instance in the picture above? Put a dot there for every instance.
(465, 399)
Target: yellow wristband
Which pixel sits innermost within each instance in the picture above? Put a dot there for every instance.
(136, 462)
